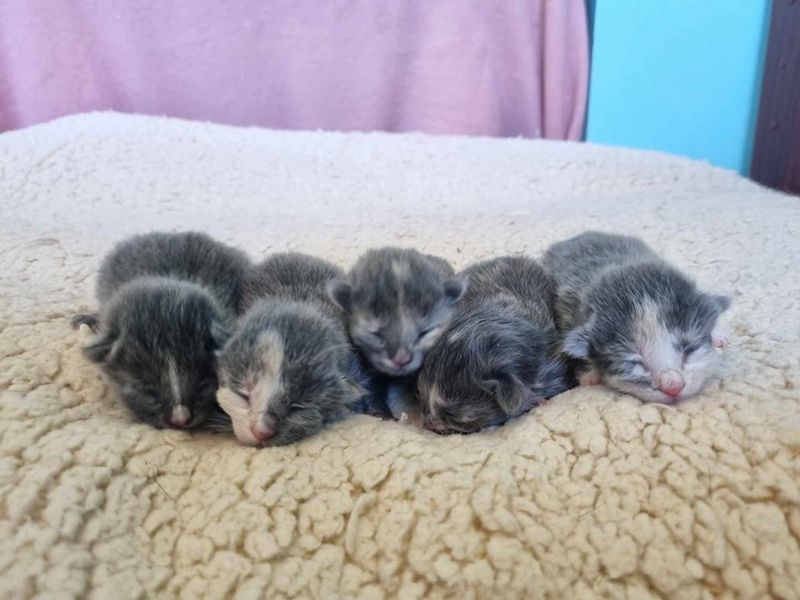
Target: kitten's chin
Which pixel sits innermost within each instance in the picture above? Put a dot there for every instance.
(696, 382)
(241, 430)
(645, 394)
(700, 371)
(239, 412)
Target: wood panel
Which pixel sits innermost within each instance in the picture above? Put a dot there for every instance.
(776, 153)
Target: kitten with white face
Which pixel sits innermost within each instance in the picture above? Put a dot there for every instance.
(640, 325)
(286, 373)
(397, 301)
(289, 369)
(166, 303)
(500, 355)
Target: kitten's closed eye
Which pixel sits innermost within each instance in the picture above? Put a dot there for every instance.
(425, 332)
(690, 347)
(374, 337)
(150, 403)
(143, 401)
(635, 367)
(146, 393)
(243, 395)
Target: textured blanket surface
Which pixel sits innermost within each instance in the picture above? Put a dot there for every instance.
(591, 495)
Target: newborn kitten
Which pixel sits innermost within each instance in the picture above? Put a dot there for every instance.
(398, 302)
(156, 345)
(286, 373)
(293, 276)
(165, 304)
(640, 325)
(189, 256)
(289, 369)
(500, 355)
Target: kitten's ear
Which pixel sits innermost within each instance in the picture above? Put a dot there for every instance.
(454, 289)
(103, 349)
(552, 377)
(723, 303)
(510, 393)
(341, 293)
(576, 343)
(220, 334)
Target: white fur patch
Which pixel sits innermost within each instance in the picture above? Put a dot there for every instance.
(239, 412)
(267, 383)
(455, 336)
(434, 401)
(655, 342)
(401, 270)
(174, 383)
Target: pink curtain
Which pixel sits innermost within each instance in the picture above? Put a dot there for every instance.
(479, 67)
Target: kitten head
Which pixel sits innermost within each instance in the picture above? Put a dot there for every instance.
(398, 302)
(489, 366)
(156, 343)
(648, 331)
(285, 374)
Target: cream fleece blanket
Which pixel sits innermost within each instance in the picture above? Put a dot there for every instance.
(591, 495)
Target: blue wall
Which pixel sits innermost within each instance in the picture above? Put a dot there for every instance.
(682, 76)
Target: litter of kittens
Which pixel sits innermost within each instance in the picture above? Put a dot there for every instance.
(591, 493)
(303, 345)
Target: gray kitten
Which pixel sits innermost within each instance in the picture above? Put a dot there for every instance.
(189, 256)
(289, 369)
(156, 344)
(166, 300)
(639, 324)
(292, 276)
(500, 356)
(398, 301)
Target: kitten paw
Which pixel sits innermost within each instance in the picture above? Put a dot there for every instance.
(719, 340)
(590, 378)
(86, 335)
(85, 320)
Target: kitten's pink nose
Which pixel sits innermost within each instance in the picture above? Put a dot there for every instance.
(261, 432)
(180, 417)
(671, 383)
(435, 425)
(402, 358)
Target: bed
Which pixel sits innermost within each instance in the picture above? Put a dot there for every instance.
(593, 494)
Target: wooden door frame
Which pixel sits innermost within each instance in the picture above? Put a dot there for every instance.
(776, 151)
